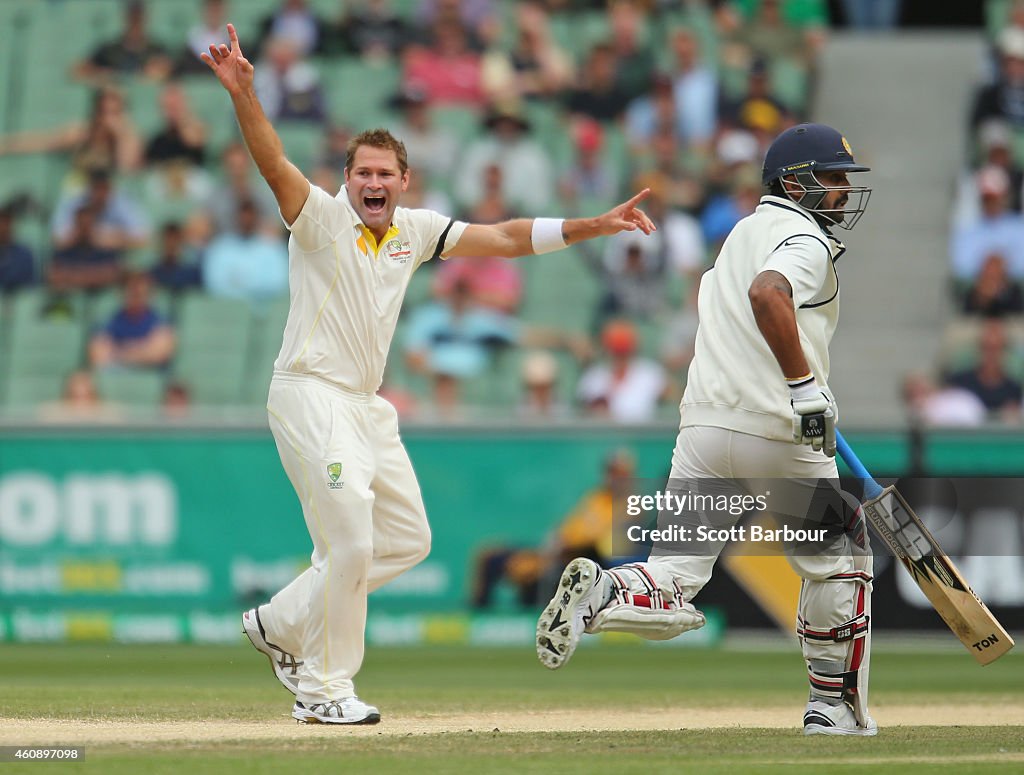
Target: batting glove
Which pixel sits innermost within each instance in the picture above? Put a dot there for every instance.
(814, 416)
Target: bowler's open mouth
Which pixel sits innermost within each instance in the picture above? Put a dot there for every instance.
(374, 204)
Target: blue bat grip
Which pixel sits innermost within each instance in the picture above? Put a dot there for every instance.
(871, 488)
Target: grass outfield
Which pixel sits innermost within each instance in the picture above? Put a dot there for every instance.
(615, 708)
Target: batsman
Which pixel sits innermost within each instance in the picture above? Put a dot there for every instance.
(757, 406)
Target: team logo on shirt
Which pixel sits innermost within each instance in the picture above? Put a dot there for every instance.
(334, 472)
(398, 251)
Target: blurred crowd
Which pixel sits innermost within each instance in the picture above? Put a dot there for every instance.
(981, 366)
(560, 107)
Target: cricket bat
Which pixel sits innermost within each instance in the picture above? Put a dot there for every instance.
(909, 540)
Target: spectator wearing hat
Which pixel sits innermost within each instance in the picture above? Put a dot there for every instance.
(527, 183)
(994, 148)
(624, 388)
(997, 230)
(592, 177)
(539, 400)
(1004, 98)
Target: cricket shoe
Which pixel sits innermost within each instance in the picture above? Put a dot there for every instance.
(820, 718)
(285, 665)
(350, 710)
(561, 626)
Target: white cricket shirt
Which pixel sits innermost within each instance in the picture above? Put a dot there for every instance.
(734, 380)
(346, 290)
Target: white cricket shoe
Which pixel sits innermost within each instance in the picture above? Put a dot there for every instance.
(820, 718)
(285, 665)
(350, 710)
(561, 626)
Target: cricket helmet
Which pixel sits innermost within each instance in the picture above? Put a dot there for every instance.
(806, 149)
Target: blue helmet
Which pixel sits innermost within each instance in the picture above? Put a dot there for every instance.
(802, 151)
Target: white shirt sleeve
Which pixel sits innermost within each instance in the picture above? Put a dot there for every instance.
(312, 228)
(433, 226)
(805, 261)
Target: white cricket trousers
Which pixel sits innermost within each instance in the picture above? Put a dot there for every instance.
(366, 519)
(826, 601)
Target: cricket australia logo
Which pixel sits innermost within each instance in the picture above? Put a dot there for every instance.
(334, 472)
(398, 251)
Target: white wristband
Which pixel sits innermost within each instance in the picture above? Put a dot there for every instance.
(807, 388)
(547, 235)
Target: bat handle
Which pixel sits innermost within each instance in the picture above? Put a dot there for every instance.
(871, 488)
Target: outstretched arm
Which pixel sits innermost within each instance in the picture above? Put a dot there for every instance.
(235, 74)
(517, 238)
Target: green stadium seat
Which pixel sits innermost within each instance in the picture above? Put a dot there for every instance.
(132, 387)
(213, 347)
(302, 143)
(267, 333)
(358, 91)
(462, 123)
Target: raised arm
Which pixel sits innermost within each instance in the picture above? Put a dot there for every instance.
(235, 73)
(526, 236)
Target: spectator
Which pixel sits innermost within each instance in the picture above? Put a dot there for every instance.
(137, 336)
(653, 110)
(625, 388)
(294, 22)
(81, 260)
(370, 29)
(452, 340)
(997, 231)
(17, 264)
(201, 36)
(994, 141)
(725, 210)
(176, 403)
(587, 531)
(774, 32)
(599, 94)
(119, 223)
(246, 264)
(988, 380)
(106, 141)
(431, 150)
(536, 67)
(174, 270)
(947, 406)
(635, 58)
(288, 87)
(134, 53)
(446, 70)
(1004, 99)
(872, 14)
(592, 177)
(478, 17)
(696, 91)
(758, 111)
(526, 182)
(238, 182)
(994, 294)
(80, 402)
(494, 283)
(540, 401)
(182, 138)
